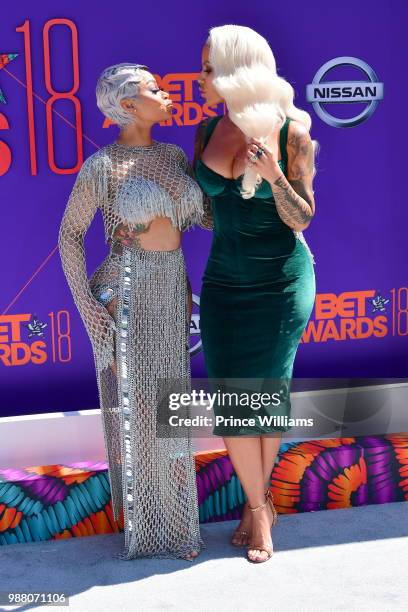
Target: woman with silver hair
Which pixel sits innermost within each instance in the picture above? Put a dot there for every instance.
(136, 309)
(255, 165)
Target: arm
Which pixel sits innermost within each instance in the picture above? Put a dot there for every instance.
(79, 212)
(293, 195)
(203, 219)
(207, 221)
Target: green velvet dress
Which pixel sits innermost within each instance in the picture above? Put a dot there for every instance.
(257, 296)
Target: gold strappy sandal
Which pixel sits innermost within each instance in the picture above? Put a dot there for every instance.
(240, 532)
(264, 547)
(269, 498)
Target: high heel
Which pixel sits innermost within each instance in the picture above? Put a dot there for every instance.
(263, 547)
(269, 498)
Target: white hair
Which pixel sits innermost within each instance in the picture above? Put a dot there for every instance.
(116, 83)
(258, 100)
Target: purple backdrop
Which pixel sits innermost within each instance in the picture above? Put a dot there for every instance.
(358, 235)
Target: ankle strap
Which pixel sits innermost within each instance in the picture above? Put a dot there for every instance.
(268, 496)
(257, 507)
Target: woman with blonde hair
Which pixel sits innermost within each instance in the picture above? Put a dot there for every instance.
(256, 166)
(135, 308)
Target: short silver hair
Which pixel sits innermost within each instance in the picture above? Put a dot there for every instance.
(116, 83)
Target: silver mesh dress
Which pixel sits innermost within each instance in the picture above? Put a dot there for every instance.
(146, 338)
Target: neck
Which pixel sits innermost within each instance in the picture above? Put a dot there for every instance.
(135, 135)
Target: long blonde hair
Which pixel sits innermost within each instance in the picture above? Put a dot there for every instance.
(258, 100)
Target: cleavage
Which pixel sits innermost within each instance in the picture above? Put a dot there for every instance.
(238, 158)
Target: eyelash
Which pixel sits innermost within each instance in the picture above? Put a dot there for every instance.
(156, 90)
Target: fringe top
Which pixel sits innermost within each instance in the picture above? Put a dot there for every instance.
(134, 184)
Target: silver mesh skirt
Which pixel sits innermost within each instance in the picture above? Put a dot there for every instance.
(152, 478)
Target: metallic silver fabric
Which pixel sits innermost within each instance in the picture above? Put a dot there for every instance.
(130, 185)
(145, 340)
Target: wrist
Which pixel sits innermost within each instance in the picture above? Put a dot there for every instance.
(275, 173)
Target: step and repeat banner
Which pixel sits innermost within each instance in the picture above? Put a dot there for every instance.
(345, 64)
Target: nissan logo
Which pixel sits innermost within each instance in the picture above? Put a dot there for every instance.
(345, 92)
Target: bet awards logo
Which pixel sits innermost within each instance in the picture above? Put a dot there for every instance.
(321, 92)
(352, 315)
(15, 350)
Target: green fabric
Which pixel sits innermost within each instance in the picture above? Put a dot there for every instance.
(257, 295)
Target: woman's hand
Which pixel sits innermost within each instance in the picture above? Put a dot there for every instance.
(264, 164)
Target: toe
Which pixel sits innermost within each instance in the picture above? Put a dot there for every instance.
(192, 554)
(257, 555)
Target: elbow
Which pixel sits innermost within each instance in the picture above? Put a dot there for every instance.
(300, 227)
(304, 226)
(68, 234)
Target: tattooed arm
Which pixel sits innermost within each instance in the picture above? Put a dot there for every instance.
(293, 195)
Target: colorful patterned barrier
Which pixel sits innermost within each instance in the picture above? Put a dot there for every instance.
(64, 501)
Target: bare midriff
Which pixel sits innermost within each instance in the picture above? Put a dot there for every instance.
(157, 235)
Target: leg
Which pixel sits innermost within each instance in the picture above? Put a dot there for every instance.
(246, 456)
(269, 450)
(269, 447)
(263, 519)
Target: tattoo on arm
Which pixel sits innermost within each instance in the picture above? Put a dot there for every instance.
(301, 153)
(294, 195)
(292, 207)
